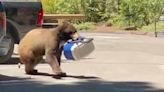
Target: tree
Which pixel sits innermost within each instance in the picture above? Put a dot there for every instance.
(131, 12)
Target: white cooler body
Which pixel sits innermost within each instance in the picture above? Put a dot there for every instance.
(75, 50)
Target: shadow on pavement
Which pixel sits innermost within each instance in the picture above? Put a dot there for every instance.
(71, 76)
(7, 78)
(89, 85)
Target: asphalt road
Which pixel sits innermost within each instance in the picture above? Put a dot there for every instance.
(120, 63)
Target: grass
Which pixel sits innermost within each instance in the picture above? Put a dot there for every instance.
(148, 28)
(85, 26)
(151, 27)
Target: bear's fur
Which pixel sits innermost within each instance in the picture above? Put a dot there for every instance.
(39, 42)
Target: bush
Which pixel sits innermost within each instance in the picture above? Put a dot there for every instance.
(62, 6)
(124, 12)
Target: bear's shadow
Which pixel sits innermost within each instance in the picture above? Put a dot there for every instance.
(71, 76)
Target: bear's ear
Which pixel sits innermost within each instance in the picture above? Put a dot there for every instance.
(63, 25)
(66, 22)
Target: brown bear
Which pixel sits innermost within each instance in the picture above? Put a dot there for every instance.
(40, 42)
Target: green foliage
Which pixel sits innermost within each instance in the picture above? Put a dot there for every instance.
(139, 12)
(99, 10)
(120, 12)
(62, 6)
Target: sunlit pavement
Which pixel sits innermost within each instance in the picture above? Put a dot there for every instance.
(120, 63)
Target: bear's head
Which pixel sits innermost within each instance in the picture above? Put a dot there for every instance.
(67, 31)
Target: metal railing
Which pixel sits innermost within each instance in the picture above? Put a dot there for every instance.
(56, 19)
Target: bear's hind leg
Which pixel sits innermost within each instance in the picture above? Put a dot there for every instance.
(29, 67)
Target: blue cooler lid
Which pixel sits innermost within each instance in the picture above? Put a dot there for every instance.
(67, 50)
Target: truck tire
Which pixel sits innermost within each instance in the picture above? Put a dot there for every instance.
(9, 46)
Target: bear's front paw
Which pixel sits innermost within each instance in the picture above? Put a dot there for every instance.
(57, 77)
(32, 72)
(60, 75)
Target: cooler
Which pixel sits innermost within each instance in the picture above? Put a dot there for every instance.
(75, 50)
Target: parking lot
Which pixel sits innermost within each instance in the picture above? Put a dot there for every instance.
(119, 63)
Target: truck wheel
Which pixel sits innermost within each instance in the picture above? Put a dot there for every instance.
(6, 48)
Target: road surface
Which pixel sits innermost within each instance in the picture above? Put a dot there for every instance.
(120, 63)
